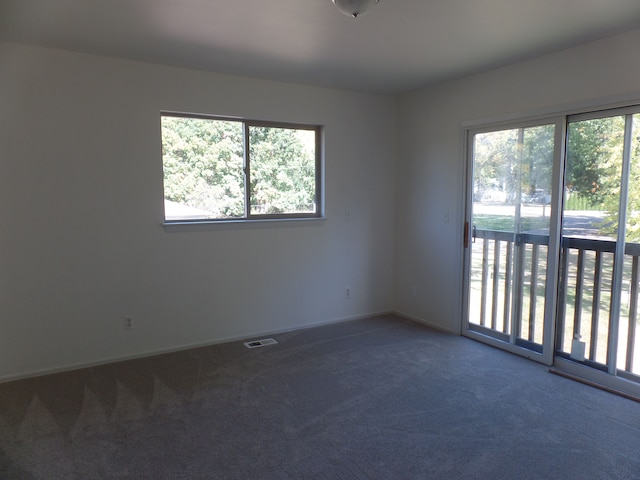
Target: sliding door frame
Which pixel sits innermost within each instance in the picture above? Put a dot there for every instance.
(611, 378)
(551, 281)
(561, 119)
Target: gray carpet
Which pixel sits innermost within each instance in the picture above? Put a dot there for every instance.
(381, 398)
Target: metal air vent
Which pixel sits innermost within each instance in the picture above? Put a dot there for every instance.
(260, 343)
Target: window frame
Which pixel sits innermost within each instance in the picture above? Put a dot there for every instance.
(246, 170)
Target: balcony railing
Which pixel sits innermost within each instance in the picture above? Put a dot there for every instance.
(508, 288)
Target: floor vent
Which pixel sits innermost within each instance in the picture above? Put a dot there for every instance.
(260, 343)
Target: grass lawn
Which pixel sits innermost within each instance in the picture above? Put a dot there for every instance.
(504, 223)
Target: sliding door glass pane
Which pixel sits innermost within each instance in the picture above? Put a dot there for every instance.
(510, 228)
(590, 222)
(493, 224)
(629, 331)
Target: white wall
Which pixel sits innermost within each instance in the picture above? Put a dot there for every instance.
(81, 241)
(431, 167)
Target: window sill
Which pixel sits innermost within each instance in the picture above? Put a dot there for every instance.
(206, 226)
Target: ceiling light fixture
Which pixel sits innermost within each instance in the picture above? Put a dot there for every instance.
(354, 8)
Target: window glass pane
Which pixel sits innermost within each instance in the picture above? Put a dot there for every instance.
(203, 164)
(282, 170)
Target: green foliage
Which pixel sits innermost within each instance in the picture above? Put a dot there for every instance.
(537, 159)
(282, 170)
(576, 201)
(494, 156)
(518, 163)
(203, 161)
(594, 168)
(594, 159)
(633, 202)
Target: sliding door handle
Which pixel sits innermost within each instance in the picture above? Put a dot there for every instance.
(466, 234)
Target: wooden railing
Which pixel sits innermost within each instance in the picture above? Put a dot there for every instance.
(515, 282)
(508, 280)
(598, 250)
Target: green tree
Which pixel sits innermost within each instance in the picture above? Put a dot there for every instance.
(282, 170)
(537, 162)
(633, 202)
(516, 162)
(494, 157)
(594, 160)
(203, 163)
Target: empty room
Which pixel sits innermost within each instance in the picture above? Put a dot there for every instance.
(324, 239)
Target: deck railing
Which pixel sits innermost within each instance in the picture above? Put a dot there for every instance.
(511, 286)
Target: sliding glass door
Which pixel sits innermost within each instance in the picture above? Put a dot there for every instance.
(510, 268)
(552, 242)
(598, 296)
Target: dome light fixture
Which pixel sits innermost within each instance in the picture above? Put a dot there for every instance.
(354, 8)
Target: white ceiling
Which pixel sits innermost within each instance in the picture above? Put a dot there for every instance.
(399, 45)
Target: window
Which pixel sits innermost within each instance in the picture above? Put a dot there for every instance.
(218, 169)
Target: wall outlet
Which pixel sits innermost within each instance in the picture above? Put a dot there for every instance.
(127, 322)
(347, 292)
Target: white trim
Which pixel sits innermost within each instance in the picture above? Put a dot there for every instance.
(555, 241)
(618, 262)
(467, 202)
(424, 322)
(605, 113)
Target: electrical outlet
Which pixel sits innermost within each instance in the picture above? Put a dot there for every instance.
(128, 322)
(347, 292)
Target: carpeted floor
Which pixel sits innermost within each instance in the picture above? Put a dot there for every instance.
(381, 398)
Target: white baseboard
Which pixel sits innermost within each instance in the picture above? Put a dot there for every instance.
(179, 348)
(423, 321)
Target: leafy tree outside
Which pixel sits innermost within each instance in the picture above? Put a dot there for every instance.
(204, 167)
